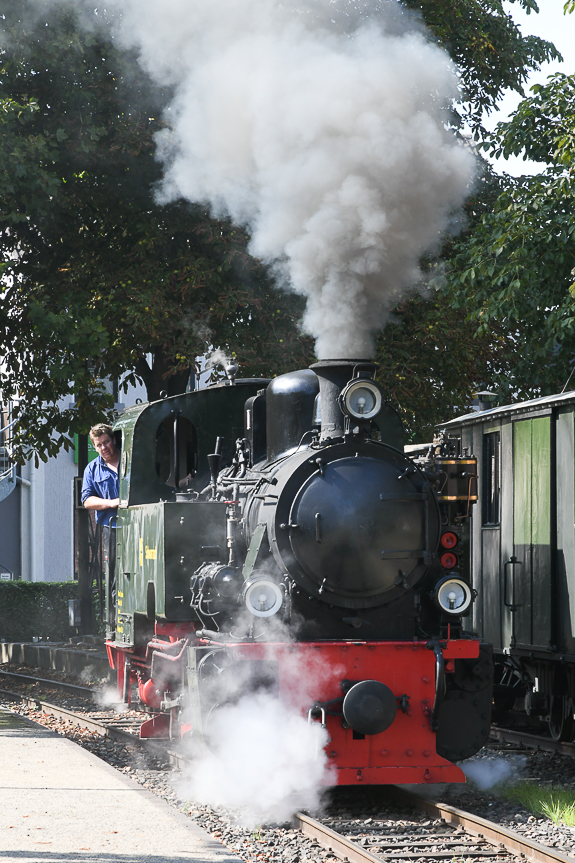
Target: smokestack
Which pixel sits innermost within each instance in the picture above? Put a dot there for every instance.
(333, 376)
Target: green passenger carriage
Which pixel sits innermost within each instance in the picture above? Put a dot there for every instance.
(523, 553)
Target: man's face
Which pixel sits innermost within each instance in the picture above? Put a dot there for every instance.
(106, 447)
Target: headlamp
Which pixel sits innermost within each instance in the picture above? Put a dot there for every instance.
(453, 595)
(361, 399)
(263, 597)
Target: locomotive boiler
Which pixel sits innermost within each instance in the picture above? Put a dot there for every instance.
(274, 536)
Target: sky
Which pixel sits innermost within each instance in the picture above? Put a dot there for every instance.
(550, 24)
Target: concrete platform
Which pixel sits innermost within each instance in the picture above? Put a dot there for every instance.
(61, 804)
(57, 658)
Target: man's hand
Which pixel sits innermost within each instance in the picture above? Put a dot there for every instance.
(100, 503)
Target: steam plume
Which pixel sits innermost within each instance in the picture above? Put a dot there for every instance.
(263, 757)
(487, 773)
(331, 146)
(264, 760)
(217, 358)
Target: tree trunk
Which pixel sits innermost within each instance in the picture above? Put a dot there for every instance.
(158, 379)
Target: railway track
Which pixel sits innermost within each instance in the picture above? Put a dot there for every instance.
(441, 832)
(447, 833)
(376, 844)
(70, 688)
(532, 741)
(116, 728)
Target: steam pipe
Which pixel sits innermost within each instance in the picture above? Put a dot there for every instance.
(214, 462)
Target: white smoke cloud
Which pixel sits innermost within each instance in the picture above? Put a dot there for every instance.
(331, 146)
(217, 357)
(108, 697)
(265, 760)
(487, 773)
(88, 675)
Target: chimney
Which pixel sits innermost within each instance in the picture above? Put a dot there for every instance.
(333, 376)
(483, 401)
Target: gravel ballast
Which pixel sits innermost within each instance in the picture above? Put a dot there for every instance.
(283, 842)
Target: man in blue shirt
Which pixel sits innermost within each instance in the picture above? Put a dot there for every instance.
(100, 489)
(100, 492)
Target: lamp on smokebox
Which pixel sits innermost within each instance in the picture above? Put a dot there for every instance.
(361, 399)
(263, 596)
(453, 595)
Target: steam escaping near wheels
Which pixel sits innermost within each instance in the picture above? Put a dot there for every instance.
(264, 760)
(264, 757)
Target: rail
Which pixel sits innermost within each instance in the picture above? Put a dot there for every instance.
(71, 688)
(478, 826)
(111, 728)
(479, 830)
(532, 741)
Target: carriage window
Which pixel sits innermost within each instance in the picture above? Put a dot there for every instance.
(491, 477)
(176, 451)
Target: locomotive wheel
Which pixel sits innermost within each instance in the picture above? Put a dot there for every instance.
(560, 722)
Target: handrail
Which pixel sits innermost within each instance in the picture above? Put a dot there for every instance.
(512, 562)
(8, 472)
(9, 426)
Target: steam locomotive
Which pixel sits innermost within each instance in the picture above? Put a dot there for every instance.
(274, 536)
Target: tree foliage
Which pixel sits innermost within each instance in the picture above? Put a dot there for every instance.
(516, 269)
(488, 48)
(98, 276)
(430, 361)
(433, 357)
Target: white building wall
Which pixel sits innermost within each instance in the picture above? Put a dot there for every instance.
(54, 519)
(47, 512)
(47, 519)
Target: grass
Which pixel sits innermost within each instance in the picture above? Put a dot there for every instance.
(553, 801)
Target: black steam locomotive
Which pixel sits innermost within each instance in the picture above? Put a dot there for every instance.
(275, 536)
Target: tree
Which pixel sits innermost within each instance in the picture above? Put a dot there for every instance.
(432, 357)
(516, 270)
(480, 36)
(428, 367)
(97, 275)
(488, 48)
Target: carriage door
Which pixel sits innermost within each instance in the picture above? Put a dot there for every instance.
(527, 585)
